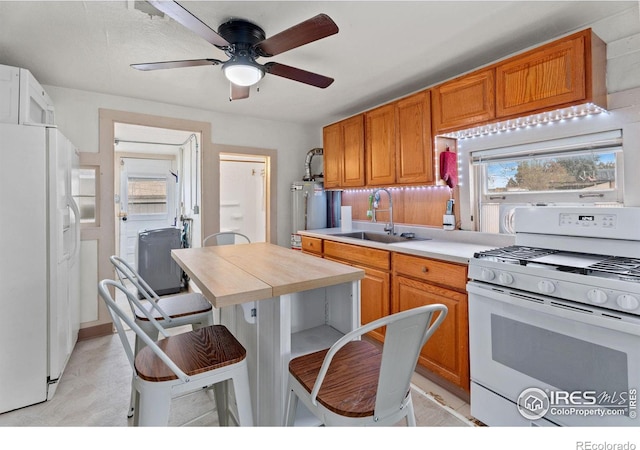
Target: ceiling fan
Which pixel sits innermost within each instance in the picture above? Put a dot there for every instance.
(244, 42)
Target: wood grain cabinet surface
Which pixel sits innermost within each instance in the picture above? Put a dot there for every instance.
(375, 287)
(380, 144)
(343, 154)
(414, 144)
(566, 72)
(423, 281)
(311, 245)
(465, 101)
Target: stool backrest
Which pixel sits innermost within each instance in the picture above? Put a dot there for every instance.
(225, 238)
(124, 271)
(119, 316)
(406, 334)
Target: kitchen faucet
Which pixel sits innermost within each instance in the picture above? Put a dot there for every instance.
(389, 228)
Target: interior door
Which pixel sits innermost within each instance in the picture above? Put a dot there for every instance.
(147, 199)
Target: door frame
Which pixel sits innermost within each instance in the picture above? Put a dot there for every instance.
(270, 155)
(104, 230)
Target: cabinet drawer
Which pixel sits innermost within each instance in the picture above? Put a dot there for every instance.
(311, 245)
(372, 257)
(446, 274)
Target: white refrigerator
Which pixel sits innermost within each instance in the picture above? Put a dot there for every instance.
(39, 267)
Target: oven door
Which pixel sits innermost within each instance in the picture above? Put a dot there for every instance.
(525, 347)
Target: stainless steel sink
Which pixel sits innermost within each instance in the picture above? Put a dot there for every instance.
(380, 237)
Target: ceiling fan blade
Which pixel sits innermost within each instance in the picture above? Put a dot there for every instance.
(176, 64)
(310, 30)
(184, 17)
(238, 92)
(296, 74)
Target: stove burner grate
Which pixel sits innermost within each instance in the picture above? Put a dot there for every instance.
(627, 269)
(515, 252)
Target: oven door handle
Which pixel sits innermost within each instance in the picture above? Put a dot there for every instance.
(548, 305)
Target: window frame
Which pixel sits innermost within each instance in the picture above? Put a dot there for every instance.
(609, 141)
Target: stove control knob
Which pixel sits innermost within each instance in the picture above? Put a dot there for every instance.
(628, 302)
(546, 286)
(505, 278)
(597, 296)
(487, 274)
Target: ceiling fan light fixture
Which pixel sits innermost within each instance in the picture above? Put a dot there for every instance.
(242, 73)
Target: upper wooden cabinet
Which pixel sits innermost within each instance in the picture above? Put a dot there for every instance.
(464, 101)
(396, 140)
(566, 72)
(380, 140)
(343, 153)
(399, 147)
(414, 148)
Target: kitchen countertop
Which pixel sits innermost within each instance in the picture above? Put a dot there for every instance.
(452, 246)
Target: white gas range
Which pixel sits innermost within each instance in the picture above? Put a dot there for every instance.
(554, 321)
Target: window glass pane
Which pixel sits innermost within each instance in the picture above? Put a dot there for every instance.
(83, 189)
(594, 172)
(146, 195)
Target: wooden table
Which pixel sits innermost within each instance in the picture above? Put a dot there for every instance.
(279, 303)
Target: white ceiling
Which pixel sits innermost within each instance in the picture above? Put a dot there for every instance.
(383, 50)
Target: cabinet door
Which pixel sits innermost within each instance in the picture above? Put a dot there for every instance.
(375, 291)
(332, 155)
(414, 150)
(353, 151)
(465, 101)
(542, 79)
(447, 351)
(380, 138)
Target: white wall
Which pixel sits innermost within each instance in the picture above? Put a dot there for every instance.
(77, 117)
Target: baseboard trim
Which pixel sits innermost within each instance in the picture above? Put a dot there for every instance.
(104, 329)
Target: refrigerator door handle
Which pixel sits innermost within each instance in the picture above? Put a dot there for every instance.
(71, 203)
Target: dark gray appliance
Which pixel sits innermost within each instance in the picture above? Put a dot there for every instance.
(155, 264)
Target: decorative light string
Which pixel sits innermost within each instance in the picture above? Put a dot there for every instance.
(534, 120)
(398, 188)
(506, 126)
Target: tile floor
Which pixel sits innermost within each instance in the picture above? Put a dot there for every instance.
(94, 391)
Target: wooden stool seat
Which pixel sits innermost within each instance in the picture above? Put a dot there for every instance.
(175, 306)
(350, 386)
(355, 383)
(199, 351)
(206, 357)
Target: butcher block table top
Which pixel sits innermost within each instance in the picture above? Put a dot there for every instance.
(232, 274)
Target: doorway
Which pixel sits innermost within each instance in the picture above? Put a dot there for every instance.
(156, 181)
(243, 195)
(248, 191)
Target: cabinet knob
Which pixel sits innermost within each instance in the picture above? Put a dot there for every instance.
(424, 269)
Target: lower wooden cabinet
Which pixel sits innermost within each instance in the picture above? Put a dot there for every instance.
(312, 245)
(395, 282)
(375, 295)
(375, 287)
(447, 352)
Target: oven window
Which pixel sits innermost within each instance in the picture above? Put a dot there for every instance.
(556, 359)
